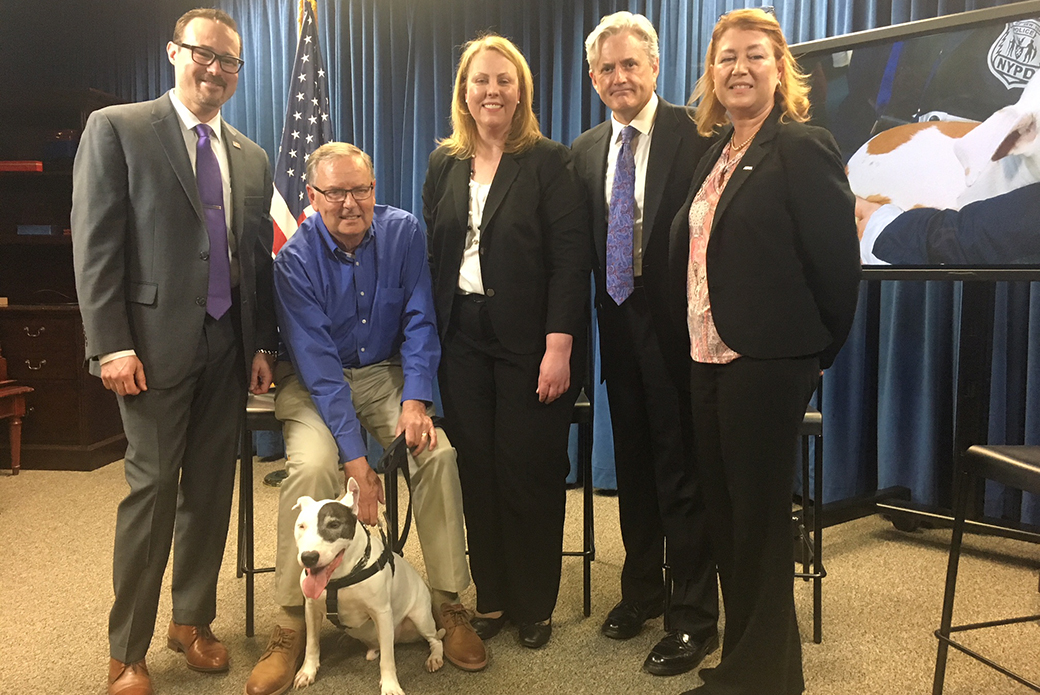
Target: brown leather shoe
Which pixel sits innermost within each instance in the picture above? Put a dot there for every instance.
(274, 672)
(128, 679)
(201, 649)
(462, 646)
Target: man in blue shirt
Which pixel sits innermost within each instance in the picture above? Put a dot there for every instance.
(355, 311)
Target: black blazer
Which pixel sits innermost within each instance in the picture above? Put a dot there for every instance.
(675, 150)
(534, 244)
(783, 257)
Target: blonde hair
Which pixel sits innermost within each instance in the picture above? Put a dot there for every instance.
(792, 92)
(617, 23)
(524, 133)
(332, 151)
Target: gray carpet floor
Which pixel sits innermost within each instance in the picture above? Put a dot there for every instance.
(881, 602)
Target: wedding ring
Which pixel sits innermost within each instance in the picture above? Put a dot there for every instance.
(425, 434)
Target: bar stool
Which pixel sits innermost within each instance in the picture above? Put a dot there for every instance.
(260, 416)
(1014, 466)
(808, 520)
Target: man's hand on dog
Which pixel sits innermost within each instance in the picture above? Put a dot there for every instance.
(420, 433)
(370, 492)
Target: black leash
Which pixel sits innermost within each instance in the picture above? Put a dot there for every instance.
(394, 458)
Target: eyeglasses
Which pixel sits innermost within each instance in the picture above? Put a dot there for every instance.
(338, 195)
(204, 56)
(768, 9)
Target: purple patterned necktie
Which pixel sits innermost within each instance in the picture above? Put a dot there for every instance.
(621, 223)
(211, 193)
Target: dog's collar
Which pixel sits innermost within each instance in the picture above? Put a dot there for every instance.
(357, 575)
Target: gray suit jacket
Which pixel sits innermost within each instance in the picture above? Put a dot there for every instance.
(140, 245)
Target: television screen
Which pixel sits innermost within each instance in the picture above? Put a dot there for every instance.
(937, 124)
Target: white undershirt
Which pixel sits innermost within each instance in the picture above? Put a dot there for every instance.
(470, 281)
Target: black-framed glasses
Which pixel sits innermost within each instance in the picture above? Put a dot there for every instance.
(204, 56)
(768, 9)
(338, 195)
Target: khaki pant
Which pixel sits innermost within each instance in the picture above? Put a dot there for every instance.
(312, 459)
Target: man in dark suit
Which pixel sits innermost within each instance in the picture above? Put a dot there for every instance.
(637, 169)
(172, 250)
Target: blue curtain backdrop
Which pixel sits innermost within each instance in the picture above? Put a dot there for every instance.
(888, 400)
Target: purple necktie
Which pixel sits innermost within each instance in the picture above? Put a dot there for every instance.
(621, 223)
(211, 193)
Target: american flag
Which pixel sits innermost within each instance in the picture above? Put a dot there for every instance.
(307, 127)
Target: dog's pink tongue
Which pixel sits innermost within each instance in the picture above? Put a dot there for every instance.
(318, 578)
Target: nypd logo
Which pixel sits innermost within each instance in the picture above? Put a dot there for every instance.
(1015, 56)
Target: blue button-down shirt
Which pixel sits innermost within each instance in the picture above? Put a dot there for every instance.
(338, 310)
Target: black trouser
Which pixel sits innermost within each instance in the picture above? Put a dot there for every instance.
(746, 416)
(658, 494)
(512, 456)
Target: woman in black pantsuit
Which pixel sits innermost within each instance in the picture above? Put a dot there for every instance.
(764, 270)
(510, 258)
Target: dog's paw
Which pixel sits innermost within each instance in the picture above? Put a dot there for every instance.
(372, 654)
(440, 634)
(434, 662)
(304, 677)
(394, 688)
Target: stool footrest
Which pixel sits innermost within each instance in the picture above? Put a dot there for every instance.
(994, 623)
(988, 662)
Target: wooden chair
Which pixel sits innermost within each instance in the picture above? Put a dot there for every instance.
(12, 405)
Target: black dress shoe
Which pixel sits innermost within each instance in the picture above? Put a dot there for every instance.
(626, 619)
(678, 653)
(486, 628)
(535, 635)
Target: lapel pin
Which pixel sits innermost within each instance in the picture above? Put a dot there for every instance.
(234, 143)
(748, 168)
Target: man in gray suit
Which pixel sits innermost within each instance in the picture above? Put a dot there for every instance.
(172, 250)
(653, 147)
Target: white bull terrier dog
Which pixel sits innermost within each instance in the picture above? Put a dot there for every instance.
(949, 163)
(377, 597)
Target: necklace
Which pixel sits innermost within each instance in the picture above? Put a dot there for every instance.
(738, 148)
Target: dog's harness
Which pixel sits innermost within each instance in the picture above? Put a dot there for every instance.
(394, 458)
(357, 575)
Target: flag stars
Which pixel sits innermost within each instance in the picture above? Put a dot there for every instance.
(321, 72)
(295, 134)
(302, 77)
(313, 119)
(305, 58)
(310, 138)
(291, 172)
(299, 97)
(324, 116)
(314, 101)
(307, 39)
(292, 153)
(297, 115)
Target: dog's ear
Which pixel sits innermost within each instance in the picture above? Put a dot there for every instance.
(350, 497)
(1007, 131)
(303, 502)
